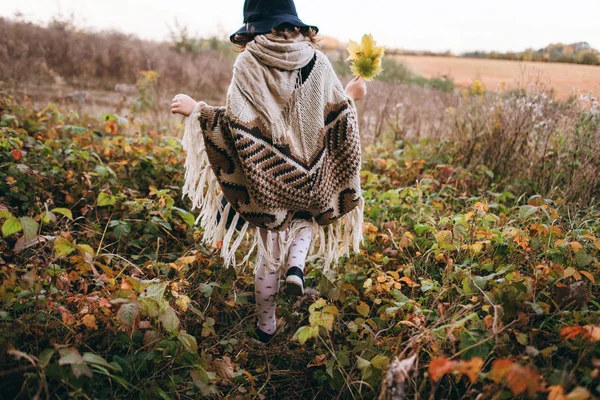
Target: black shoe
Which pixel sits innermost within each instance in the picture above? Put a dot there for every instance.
(294, 282)
(263, 337)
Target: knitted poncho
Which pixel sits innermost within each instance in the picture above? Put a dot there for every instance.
(284, 152)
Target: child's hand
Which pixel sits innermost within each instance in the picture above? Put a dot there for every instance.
(183, 104)
(356, 88)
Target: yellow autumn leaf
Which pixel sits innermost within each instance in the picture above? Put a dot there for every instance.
(183, 302)
(90, 321)
(363, 308)
(365, 58)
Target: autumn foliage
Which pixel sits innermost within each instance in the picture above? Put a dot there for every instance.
(106, 292)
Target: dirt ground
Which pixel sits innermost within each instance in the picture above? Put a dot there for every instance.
(566, 79)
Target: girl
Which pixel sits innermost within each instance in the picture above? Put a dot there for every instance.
(282, 157)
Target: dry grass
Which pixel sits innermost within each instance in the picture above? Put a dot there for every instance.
(565, 79)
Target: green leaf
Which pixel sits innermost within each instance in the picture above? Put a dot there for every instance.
(45, 357)
(105, 199)
(128, 313)
(155, 291)
(188, 342)
(201, 379)
(10, 226)
(47, 217)
(527, 211)
(30, 227)
(63, 247)
(380, 362)
(120, 228)
(78, 130)
(306, 332)
(95, 359)
(583, 259)
(169, 320)
(187, 217)
(5, 214)
(361, 363)
(150, 307)
(70, 356)
(64, 211)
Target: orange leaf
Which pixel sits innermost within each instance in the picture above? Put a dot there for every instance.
(471, 368)
(16, 154)
(481, 207)
(570, 332)
(589, 276)
(499, 369)
(441, 366)
(556, 392)
(407, 280)
(521, 379)
(347, 286)
(67, 317)
(576, 246)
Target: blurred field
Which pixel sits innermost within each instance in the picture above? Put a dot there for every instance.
(566, 79)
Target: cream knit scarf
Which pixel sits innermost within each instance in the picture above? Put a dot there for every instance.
(285, 144)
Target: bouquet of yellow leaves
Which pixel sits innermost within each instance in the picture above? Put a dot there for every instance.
(365, 59)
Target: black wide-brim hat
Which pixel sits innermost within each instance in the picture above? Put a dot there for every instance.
(262, 16)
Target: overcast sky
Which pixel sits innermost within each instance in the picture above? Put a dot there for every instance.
(436, 25)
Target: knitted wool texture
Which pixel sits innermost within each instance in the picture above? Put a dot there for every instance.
(284, 152)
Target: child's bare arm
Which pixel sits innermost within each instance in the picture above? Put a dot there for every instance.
(183, 104)
(356, 88)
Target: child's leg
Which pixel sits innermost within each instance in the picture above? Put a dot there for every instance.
(296, 260)
(266, 285)
(299, 249)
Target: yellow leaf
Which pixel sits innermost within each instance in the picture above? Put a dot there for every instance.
(90, 321)
(183, 302)
(443, 237)
(186, 260)
(365, 58)
(476, 248)
(363, 308)
(354, 50)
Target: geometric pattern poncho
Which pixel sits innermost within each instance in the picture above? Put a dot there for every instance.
(306, 176)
